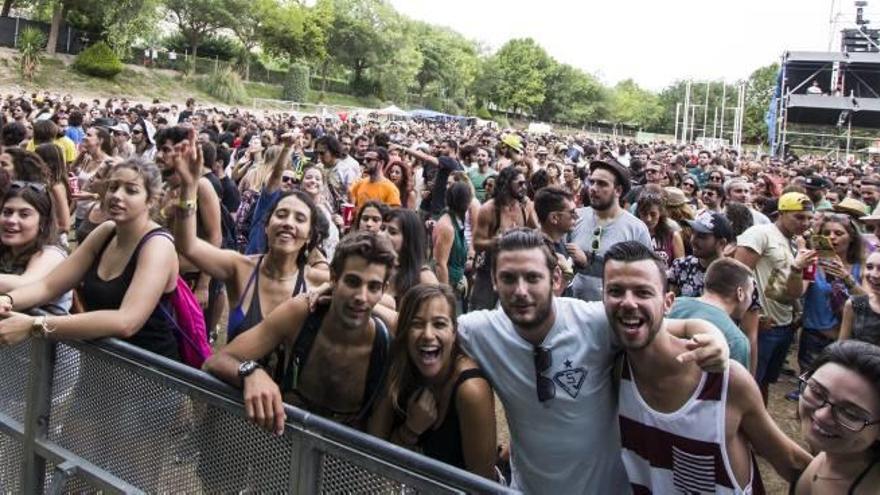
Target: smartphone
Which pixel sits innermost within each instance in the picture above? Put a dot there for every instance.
(822, 244)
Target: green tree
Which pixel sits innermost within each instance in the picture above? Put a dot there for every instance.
(357, 38)
(449, 65)
(635, 106)
(573, 97)
(196, 19)
(759, 92)
(520, 69)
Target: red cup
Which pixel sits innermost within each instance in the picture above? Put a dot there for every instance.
(347, 213)
(810, 272)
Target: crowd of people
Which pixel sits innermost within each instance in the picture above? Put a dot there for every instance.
(628, 303)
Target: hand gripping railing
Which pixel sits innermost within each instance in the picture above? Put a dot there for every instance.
(105, 415)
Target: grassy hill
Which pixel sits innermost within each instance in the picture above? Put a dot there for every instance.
(139, 84)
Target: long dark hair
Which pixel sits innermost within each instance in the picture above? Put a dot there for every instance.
(854, 253)
(381, 207)
(648, 200)
(860, 357)
(38, 196)
(411, 258)
(403, 378)
(503, 181)
(315, 235)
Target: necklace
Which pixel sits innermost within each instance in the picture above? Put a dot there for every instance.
(279, 279)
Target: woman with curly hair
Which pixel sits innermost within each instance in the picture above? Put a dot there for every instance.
(398, 172)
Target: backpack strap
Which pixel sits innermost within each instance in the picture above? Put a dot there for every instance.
(303, 346)
(378, 367)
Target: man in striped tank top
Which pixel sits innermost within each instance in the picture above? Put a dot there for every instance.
(683, 430)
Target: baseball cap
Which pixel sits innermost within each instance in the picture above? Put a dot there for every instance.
(794, 201)
(120, 127)
(712, 223)
(815, 182)
(514, 142)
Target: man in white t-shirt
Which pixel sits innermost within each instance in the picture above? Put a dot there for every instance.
(549, 360)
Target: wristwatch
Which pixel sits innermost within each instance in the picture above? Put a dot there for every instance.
(247, 368)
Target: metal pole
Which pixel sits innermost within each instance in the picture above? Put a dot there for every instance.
(693, 121)
(723, 98)
(15, 38)
(687, 103)
(715, 124)
(706, 109)
(848, 134)
(677, 111)
(39, 403)
(742, 111)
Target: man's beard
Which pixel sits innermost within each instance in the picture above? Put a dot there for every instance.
(597, 204)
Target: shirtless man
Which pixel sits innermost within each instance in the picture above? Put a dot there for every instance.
(509, 209)
(683, 430)
(330, 371)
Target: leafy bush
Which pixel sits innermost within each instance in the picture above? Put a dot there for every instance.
(221, 47)
(98, 60)
(31, 43)
(296, 84)
(225, 85)
(483, 113)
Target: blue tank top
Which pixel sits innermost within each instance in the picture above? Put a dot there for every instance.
(818, 313)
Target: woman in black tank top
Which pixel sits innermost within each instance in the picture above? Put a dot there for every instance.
(292, 264)
(438, 401)
(125, 272)
(839, 410)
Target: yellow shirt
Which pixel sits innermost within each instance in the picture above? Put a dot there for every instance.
(68, 148)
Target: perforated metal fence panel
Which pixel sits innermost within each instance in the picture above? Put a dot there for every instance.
(134, 422)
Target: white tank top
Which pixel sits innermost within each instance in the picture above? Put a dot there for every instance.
(684, 451)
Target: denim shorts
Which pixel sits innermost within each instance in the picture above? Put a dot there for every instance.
(773, 345)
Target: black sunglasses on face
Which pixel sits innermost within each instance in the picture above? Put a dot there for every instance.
(543, 361)
(286, 179)
(136, 131)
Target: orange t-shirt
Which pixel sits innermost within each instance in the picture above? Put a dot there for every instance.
(385, 191)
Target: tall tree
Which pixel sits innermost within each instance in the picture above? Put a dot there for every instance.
(573, 97)
(635, 106)
(196, 19)
(759, 92)
(521, 68)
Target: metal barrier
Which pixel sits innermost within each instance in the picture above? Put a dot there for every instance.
(106, 416)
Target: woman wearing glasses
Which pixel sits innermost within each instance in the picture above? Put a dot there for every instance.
(438, 400)
(839, 411)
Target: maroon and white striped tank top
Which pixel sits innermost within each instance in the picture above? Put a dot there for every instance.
(684, 451)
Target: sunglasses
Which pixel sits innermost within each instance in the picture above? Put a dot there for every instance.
(136, 131)
(286, 179)
(543, 361)
(715, 178)
(597, 238)
(33, 186)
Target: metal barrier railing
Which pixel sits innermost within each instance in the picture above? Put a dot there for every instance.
(107, 416)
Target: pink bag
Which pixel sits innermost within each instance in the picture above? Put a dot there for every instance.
(189, 326)
(188, 319)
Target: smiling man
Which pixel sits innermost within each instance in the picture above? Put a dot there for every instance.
(339, 352)
(683, 430)
(549, 360)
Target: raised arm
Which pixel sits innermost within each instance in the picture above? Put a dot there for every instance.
(283, 161)
(209, 258)
(418, 154)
